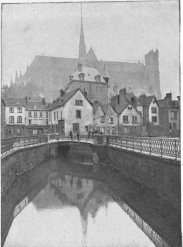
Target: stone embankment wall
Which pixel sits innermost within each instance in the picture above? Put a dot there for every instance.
(159, 174)
(23, 160)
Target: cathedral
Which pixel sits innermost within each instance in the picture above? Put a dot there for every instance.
(97, 78)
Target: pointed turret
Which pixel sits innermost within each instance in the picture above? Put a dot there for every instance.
(11, 82)
(82, 46)
(106, 74)
(16, 77)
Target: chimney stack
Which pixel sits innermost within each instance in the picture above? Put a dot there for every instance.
(61, 92)
(169, 96)
(43, 101)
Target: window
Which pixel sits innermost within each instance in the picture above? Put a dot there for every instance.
(129, 108)
(35, 114)
(34, 132)
(19, 110)
(140, 113)
(111, 120)
(18, 131)
(125, 119)
(134, 119)
(29, 122)
(102, 119)
(173, 115)
(154, 110)
(29, 114)
(78, 114)
(114, 130)
(54, 115)
(61, 114)
(11, 119)
(41, 114)
(47, 114)
(81, 76)
(79, 102)
(19, 119)
(11, 109)
(46, 121)
(57, 114)
(75, 127)
(126, 130)
(154, 119)
(174, 126)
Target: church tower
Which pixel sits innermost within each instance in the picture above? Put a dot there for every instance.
(82, 46)
(152, 73)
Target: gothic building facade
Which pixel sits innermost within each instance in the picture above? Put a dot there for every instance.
(48, 75)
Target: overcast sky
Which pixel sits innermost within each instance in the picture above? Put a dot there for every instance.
(117, 31)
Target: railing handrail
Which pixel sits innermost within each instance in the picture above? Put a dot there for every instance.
(152, 145)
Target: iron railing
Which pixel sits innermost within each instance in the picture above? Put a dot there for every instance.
(158, 146)
(13, 143)
(170, 147)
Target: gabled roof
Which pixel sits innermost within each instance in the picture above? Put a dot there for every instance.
(15, 102)
(146, 100)
(66, 97)
(96, 106)
(90, 56)
(106, 107)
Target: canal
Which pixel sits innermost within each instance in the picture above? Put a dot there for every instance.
(75, 201)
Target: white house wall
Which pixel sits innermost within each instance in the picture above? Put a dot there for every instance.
(70, 113)
(35, 120)
(130, 114)
(154, 104)
(15, 115)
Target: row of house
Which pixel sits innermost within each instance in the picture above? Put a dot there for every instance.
(124, 115)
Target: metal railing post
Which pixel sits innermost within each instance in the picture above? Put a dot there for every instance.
(150, 146)
(141, 145)
(175, 146)
(161, 147)
(133, 143)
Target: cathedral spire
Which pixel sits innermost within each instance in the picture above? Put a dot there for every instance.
(82, 46)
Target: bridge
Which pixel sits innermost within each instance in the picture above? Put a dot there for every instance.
(155, 146)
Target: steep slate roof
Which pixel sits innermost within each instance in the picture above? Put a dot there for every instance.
(106, 107)
(168, 103)
(15, 102)
(90, 74)
(95, 107)
(146, 100)
(35, 106)
(66, 97)
(90, 56)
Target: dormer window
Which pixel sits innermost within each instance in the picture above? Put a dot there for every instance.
(71, 77)
(97, 78)
(81, 76)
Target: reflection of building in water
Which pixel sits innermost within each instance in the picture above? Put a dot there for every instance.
(81, 155)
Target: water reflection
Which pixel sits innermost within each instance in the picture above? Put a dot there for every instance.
(54, 206)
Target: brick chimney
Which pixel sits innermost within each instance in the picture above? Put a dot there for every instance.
(122, 93)
(168, 96)
(43, 101)
(61, 92)
(79, 67)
